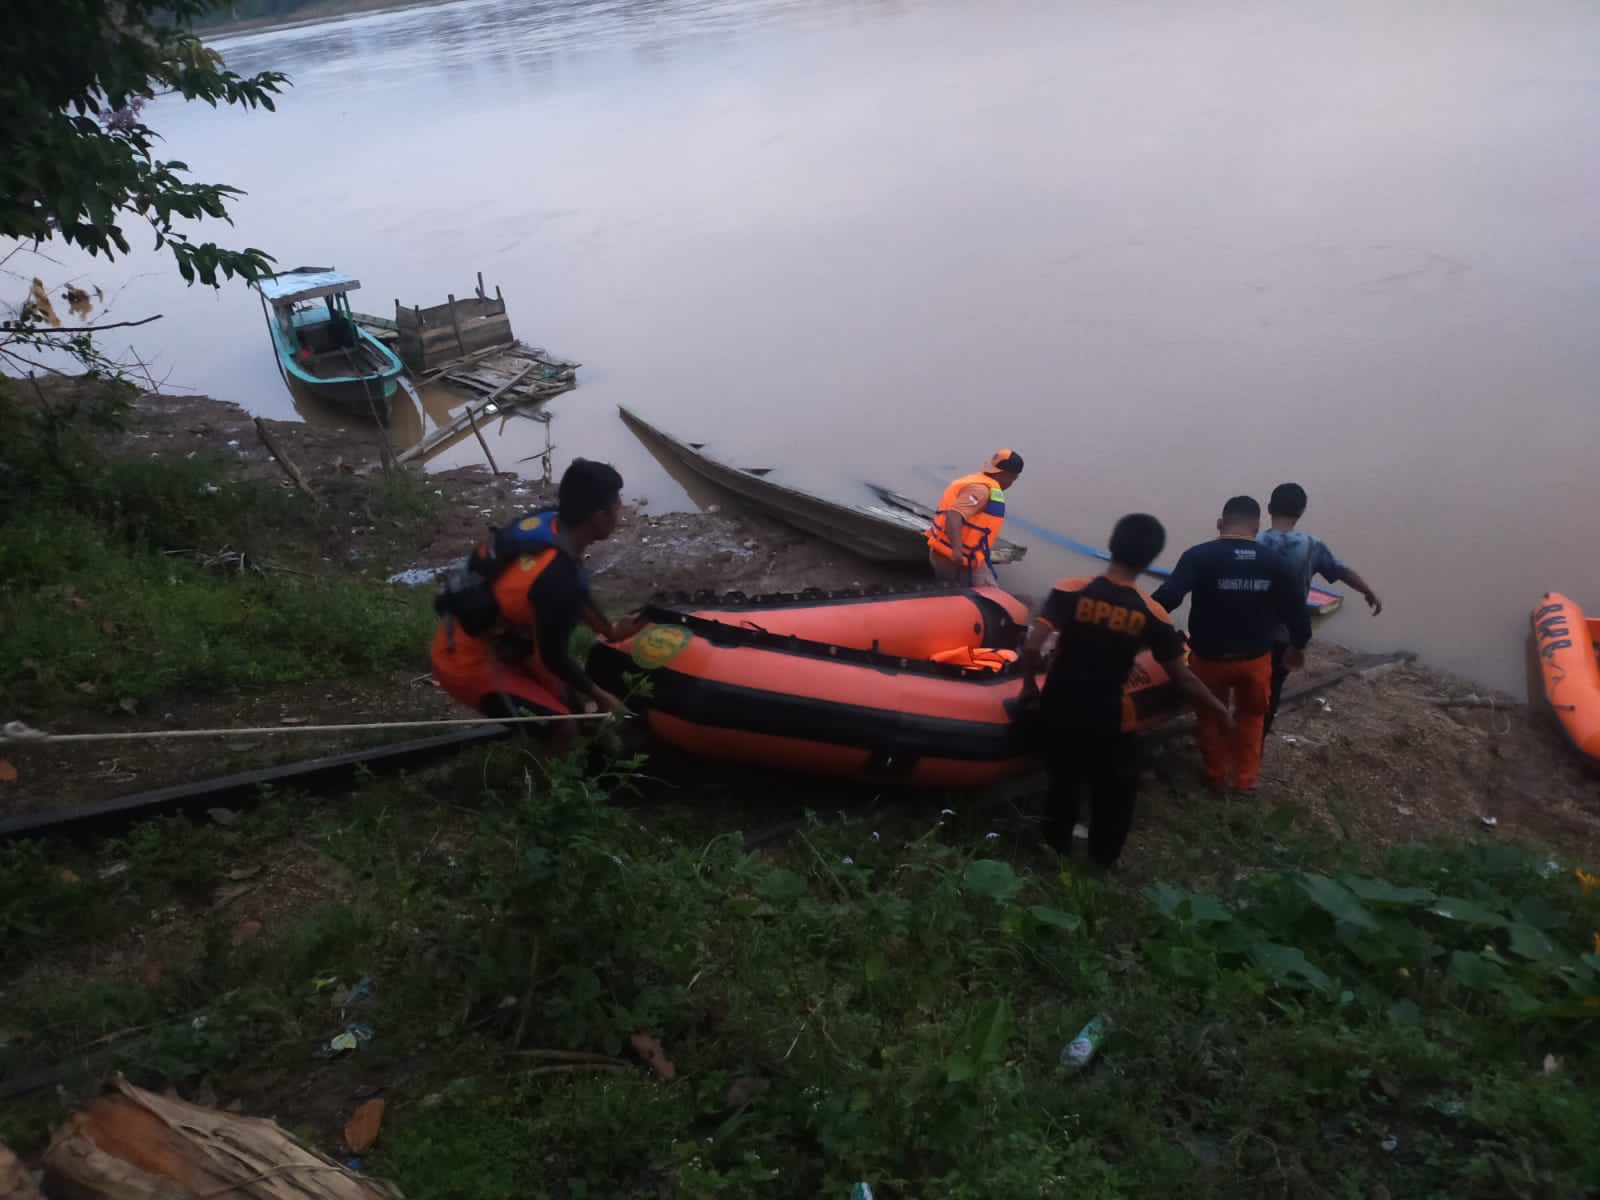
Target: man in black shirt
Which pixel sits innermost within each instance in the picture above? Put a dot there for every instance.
(1103, 623)
(1241, 592)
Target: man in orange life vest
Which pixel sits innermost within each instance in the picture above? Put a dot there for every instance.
(967, 525)
(508, 616)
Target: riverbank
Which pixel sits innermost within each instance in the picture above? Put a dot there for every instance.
(1383, 758)
(878, 994)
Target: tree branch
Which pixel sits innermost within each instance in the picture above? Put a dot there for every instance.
(11, 327)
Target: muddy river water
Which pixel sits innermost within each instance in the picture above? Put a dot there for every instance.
(1167, 251)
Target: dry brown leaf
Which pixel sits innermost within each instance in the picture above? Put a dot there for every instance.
(654, 1057)
(152, 975)
(15, 1182)
(38, 305)
(78, 602)
(67, 875)
(8, 773)
(78, 301)
(361, 1130)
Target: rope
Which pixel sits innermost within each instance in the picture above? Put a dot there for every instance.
(16, 733)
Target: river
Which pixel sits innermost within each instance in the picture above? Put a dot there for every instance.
(1169, 252)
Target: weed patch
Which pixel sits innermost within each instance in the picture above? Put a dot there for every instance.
(883, 1002)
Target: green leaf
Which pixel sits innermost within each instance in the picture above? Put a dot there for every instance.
(780, 885)
(1533, 943)
(1405, 1012)
(1468, 912)
(994, 1028)
(958, 1068)
(1336, 900)
(1070, 922)
(1285, 963)
(992, 878)
(1378, 891)
(1476, 972)
(876, 967)
(1188, 908)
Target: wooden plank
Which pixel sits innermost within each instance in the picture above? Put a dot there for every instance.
(277, 452)
(455, 323)
(461, 422)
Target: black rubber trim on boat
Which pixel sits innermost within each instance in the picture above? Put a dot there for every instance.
(893, 736)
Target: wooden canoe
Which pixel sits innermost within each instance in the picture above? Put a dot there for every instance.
(878, 532)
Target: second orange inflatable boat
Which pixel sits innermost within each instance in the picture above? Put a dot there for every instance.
(1569, 659)
(847, 684)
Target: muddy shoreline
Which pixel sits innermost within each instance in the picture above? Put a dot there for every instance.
(1378, 758)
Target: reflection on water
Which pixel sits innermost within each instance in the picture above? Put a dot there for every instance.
(1169, 252)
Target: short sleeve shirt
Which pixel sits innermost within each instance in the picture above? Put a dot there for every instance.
(972, 499)
(1103, 625)
(1307, 556)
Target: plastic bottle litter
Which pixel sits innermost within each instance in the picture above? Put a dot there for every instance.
(861, 1191)
(1082, 1048)
(353, 1038)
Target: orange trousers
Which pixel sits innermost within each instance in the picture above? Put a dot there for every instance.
(1234, 759)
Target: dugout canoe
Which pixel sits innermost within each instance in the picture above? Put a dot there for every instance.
(1568, 645)
(847, 683)
(877, 532)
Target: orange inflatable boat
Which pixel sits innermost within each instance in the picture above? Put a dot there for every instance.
(916, 687)
(1569, 659)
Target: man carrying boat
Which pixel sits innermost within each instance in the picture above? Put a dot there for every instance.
(1242, 592)
(1307, 556)
(1103, 623)
(967, 524)
(508, 615)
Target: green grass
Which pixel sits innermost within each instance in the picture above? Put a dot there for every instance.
(899, 993)
(115, 592)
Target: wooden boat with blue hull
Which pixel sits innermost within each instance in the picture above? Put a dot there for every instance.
(323, 348)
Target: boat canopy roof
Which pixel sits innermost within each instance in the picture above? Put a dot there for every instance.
(306, 283)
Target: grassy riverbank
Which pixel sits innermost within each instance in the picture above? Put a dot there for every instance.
(125, 580)
(1350, 986)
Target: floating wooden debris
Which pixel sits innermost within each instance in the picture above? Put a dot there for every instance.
(468, 345)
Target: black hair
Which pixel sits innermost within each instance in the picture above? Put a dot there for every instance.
(1242, 508)
(587, 488)
(1136, 541)
(1288, 500)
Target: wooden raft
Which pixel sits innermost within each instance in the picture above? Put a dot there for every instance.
(468, 344)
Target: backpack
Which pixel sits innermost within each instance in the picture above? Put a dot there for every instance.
(468, 596)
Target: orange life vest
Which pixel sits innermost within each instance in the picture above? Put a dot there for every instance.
(511, 588)
(979, 531)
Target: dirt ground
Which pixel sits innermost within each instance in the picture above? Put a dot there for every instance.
(1378, 757)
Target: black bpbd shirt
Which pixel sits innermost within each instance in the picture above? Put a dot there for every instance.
(1103, 625)
(1240, 592)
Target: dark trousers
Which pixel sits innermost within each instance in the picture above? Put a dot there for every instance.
(1279, 674)
(1104, 764)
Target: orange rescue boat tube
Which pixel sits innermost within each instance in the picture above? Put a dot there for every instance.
(846, 685)
(1569, 660)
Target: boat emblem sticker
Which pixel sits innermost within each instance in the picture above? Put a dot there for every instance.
(660, 644)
